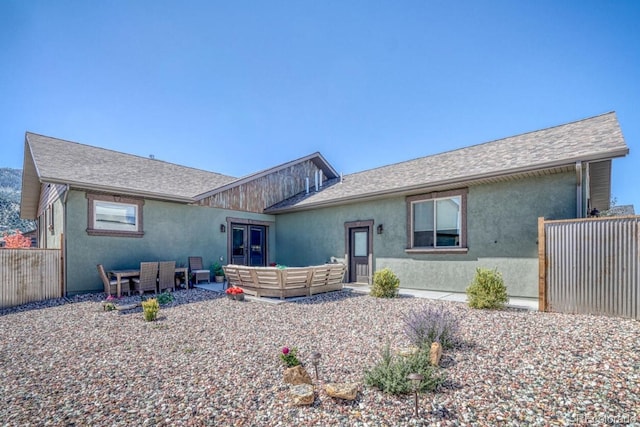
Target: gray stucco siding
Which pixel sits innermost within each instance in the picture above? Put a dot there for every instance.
(172, 231)
(501, 233)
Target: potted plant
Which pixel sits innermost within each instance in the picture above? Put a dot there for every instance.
(218, 272)
(235, 293)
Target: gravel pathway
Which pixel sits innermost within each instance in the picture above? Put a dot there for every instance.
(210, 361)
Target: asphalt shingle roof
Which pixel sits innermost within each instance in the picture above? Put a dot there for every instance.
(85, 166)
(590, 139)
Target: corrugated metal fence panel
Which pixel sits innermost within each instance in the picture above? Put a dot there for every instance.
(29, 275)
(593, 266)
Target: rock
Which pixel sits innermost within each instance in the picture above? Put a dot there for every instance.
(435, 354)
(407, 351)
(302, 394)
(347, 391)
(297, 375)
(126, 307)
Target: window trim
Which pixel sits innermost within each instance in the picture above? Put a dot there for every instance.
(92, 231)
(462, 193)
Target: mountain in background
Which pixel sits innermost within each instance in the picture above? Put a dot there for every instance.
(10, 186)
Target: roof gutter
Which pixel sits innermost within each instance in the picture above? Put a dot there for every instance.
(409, 189)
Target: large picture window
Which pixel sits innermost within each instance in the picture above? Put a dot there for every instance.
(437, 221)
(114, 216)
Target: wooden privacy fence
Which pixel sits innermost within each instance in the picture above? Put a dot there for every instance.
(29, 275)
(590, 266)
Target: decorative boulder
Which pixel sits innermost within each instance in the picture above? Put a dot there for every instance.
(435, 354)
(342, 391)
(302, 394)
(297, 375)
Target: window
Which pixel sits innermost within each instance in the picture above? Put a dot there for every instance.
(437, 222)
(114, 216)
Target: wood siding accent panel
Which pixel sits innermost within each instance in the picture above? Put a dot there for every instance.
(29, 275)
(257, 195)
(49, 193)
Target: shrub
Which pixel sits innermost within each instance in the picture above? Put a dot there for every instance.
(289, 357)
(150, 309)
(165, 298)
(385, 284)
(16, 240)
(487, 290)
(390, 374)
(434, 323)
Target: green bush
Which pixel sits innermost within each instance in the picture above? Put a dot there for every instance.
(165, 298)
(150, 309)
(385, 284)
(487, 290)
(390, 374)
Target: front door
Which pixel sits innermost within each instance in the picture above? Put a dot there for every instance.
(248, 244)
(359, 254)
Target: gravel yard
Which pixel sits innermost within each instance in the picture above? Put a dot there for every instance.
(212, 361)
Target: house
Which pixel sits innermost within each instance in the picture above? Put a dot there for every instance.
(432, 220)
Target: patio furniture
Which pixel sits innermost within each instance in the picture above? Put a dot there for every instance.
(286, 282)
(148, 280)
(167, 276)
(111, 283)
(197, 271)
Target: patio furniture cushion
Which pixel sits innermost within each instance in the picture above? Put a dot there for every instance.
(197, 271)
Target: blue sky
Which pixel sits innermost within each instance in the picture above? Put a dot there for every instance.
(238, 87)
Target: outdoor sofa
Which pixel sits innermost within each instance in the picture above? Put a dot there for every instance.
(286, 282)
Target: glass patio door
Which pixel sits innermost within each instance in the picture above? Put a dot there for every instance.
(248, 244)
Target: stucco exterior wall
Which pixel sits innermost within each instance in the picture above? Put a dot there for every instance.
(501, 233)
(172, 231)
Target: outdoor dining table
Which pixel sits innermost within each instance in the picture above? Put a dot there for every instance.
(130, 273)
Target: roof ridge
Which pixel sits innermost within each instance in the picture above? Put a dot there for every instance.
(481, 143)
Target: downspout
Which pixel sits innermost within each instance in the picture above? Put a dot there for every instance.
(64, 241)
(587, 187)
(579, 209)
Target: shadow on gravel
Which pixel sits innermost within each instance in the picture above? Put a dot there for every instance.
(181, 297)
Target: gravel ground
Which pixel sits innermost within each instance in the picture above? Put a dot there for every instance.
(212, 361)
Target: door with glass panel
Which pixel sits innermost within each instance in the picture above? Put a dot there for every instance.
(248, 244)
(359, 254)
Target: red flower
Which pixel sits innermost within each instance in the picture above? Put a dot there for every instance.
(285, 350)
(234, 290)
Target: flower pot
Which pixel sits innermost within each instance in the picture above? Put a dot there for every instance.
(237, 297)
(219, 279)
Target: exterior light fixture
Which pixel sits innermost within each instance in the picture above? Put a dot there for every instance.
(415, 384)
(223, 228)
(315, 360)
(380, 228)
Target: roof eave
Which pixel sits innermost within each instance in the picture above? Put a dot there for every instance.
(460, 181)
(119, 190)
(30, 186)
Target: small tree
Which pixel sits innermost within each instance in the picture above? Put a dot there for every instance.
(16, 240)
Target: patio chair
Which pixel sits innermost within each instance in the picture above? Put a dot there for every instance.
(111, 283)
(167, 276)
(197, 271)
(148, 280)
